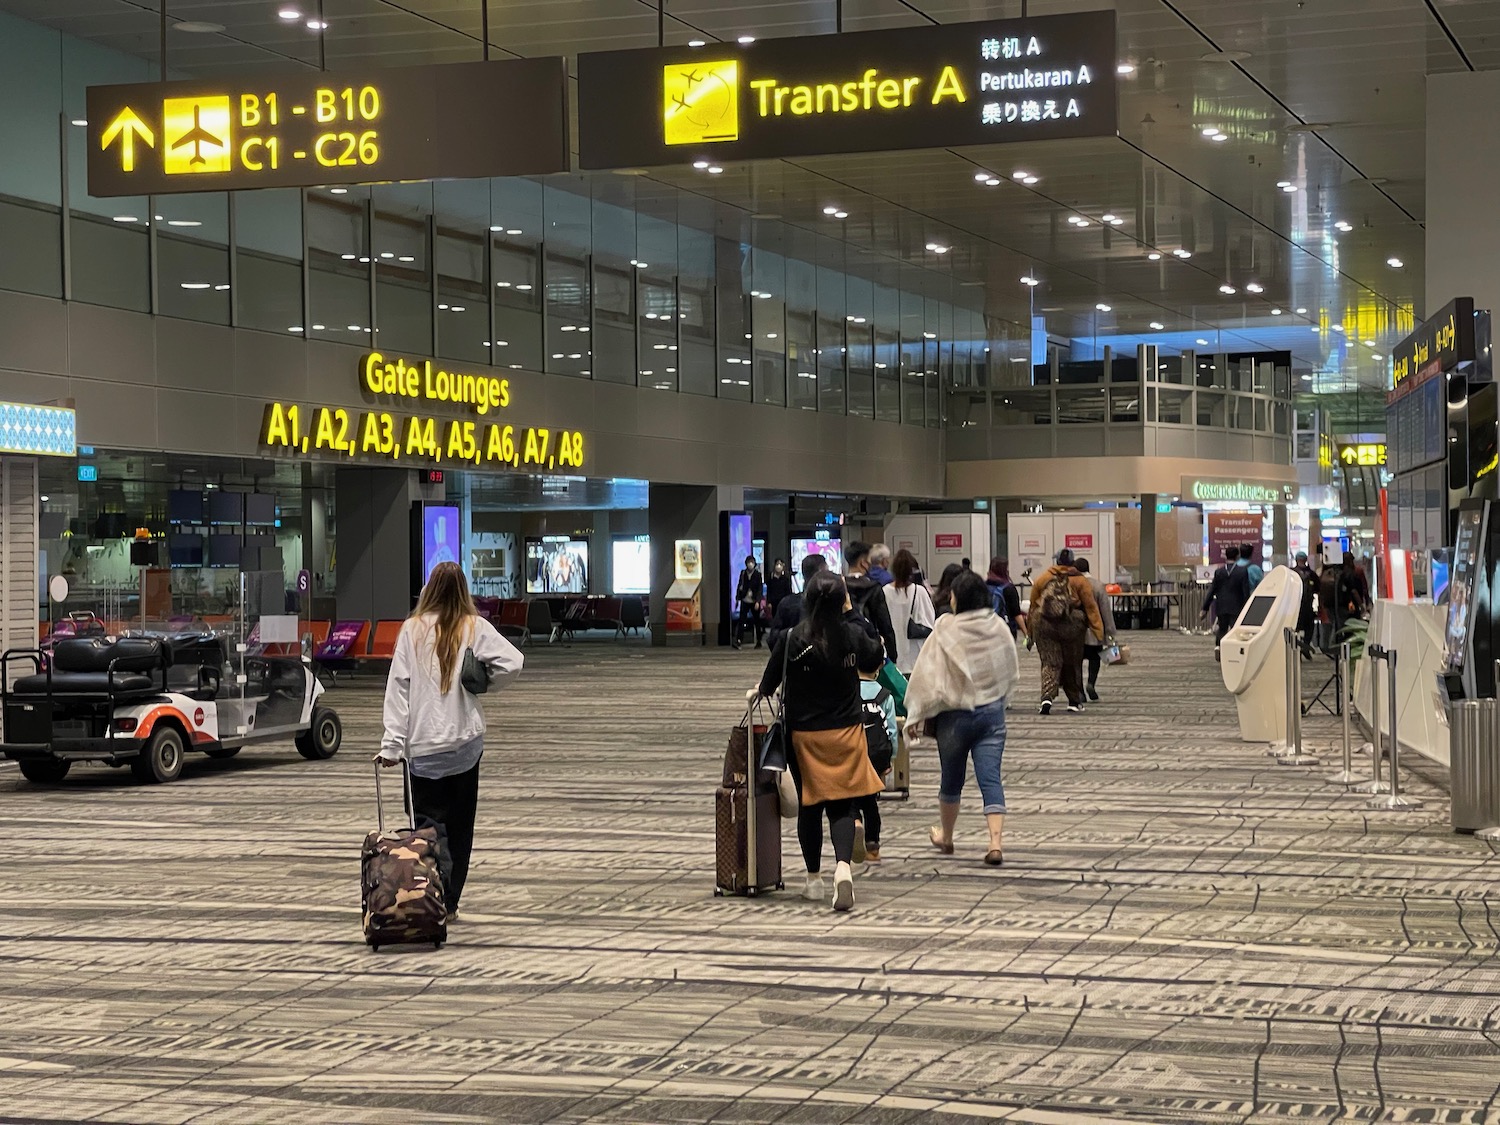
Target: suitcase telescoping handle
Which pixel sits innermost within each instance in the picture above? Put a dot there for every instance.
(411, 814)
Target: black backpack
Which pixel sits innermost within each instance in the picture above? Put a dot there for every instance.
(877, 738)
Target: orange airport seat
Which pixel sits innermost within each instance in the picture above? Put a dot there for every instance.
(318, 630)
(382, 643)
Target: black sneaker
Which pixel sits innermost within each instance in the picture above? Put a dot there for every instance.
(1046, 707)
(1093, 696)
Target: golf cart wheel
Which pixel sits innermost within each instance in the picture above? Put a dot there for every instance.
(220, 753)
(321, 740)
(161, 760)
(44, 771)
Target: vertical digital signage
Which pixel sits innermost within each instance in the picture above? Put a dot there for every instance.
(1040, 78)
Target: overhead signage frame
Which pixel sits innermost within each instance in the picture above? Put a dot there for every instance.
(1442, 343)
(307, 128)
(1039, 78)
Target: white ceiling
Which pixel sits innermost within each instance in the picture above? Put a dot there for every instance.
(1353, 68)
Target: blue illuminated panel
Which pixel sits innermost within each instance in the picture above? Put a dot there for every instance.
(50, 431)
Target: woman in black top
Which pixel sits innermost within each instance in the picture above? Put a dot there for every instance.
(942, 601)
(822, 710)
(748, 593)
(778, 585)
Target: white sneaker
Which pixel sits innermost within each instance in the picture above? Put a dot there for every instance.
(813, 889)
(1076, 708)
(859, 842)
(843, 888)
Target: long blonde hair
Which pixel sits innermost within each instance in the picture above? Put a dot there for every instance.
(446, 597)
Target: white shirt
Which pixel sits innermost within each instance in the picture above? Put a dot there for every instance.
(420, 719)
(913, 603)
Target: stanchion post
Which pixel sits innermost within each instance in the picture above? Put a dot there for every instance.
(1376, 784)
(1395, 802)
(1294, 756)
(1492, 833)
(1346, 776)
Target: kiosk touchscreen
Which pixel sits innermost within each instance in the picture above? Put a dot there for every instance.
(1252, 655)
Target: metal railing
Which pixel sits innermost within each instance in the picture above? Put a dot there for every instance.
(1293, 753)
(1392, 801)
(1346, 776)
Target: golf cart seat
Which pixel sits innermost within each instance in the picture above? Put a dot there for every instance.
(126, 667)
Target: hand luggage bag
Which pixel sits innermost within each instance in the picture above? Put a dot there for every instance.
(401, 883)
(747, 829)
(898, 781)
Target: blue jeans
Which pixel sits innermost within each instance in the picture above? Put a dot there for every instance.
(979, 734)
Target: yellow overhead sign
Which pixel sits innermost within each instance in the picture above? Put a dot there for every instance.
(1363, 453)
(701, 102)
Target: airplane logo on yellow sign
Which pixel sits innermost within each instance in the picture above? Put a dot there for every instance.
(701, 102)
(197, 134)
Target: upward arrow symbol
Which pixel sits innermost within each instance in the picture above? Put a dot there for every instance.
(127, 126)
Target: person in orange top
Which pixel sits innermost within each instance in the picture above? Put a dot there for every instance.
(1063, 611)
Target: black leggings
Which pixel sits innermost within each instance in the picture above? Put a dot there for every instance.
(810, 826)
(869, 812)
(452, 802)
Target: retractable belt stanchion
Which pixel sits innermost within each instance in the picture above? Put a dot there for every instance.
(1295, 755)
(1376, 784)
(1489, 780)
(1346, 776)
(1395, 802)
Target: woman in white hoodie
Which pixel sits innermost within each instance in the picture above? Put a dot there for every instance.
(432, 721)
(966, 669)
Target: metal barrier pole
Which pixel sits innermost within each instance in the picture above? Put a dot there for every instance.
(1295, 755)
(1395, 802)
(1376, 784)
(1346, 776)
(1280, 749)
(1489, 796)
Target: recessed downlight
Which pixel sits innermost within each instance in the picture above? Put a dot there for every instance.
(1255, 287)
(1031, 281)
(1183, 253)
(1157, 326)
(1103, 307)
(1154, 256)
(1395, 263)
(1228, 290)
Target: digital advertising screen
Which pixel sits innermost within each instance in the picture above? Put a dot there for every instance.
(1461, 585)
(632, 565)
(440, 537)
(557, 564)
(830, 549)
(739, 542)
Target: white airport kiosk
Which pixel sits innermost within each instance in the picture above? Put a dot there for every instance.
(1253, 655)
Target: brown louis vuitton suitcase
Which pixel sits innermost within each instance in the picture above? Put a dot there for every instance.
(401, 883)
(747, 835)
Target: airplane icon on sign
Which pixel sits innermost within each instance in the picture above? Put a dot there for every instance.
(197, 136)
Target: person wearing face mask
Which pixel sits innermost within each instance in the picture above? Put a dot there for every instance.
(748, 594)
(778, 585)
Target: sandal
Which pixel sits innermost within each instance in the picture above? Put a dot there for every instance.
(934, 836)
(995, 858)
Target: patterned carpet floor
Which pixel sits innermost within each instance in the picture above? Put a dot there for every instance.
(1184, 931)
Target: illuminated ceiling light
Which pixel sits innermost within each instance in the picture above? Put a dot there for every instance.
(765, 296)
(1154, 256)
(1369, 343)
(126, 219)
(295, 328)
(938, 248)
(496, 230)
(353, 328)
(502, 285)
(1395, 263)
(745, 40)
(700, 164)
(715, 170)
(1283, 184)
(1107, 218)
(1228, 290)
(220, 288)
(387, 254)
(1157, 326)
(981, 177)
(444, 308)
(1183, 253)
(929, 335)
(1031, 281)
(1203, 343)
(1117, 222)
(830, 210)
(1290, 189)
(1219, 137)
(512, 230)
(993, 181)
(338, 191)
(1103, 308)
(1377, 357)
(841, 214)
(1338, 327)
(642, 265)
(1125, 68)
(183, 223)
(318, 328)
(1275, 312)
(1211, 131)
(289, 14)
(80, 122)
(697, 42)
(1019, 175)
(196, 285)
(1029, 180)
(1301, 312)
(1254, 287)
(364, 261)
(564, 328)
(317, 25)
(523, 288)
(1307, 378)
(1346, 227)
(406, 258)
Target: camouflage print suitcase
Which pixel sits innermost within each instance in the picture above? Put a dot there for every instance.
(401, 884)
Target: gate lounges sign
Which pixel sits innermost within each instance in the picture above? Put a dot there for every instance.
(483, 441)
(980, 83)
(309, 128)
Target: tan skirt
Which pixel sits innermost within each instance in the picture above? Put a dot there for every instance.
(835, 765)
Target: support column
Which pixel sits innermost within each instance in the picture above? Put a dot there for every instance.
(1281, 537)
(1148, 539)
(1463, 164)
(373, 514)
(687, 511)
(778, 536)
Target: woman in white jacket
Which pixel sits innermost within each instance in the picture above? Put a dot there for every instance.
(432, 722)
(908, 601)
(967, 668)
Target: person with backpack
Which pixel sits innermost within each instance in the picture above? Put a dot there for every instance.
(958, 690)
(1006, 598)
(1063, 610)
(880, 743)
(911, 610)
(1215, 602)
(868, 596)
(1093, 644)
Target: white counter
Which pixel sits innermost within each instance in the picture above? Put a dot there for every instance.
(1414, 630)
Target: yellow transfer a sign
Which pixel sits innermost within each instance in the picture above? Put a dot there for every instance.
(701, 102)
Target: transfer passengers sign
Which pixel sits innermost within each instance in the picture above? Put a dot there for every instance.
(957, 84)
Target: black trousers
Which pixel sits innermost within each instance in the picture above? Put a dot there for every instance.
(1226, 623)
(452, 802)
(749, 615)
(840, 815)
(869, 812)
(1093, 656)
